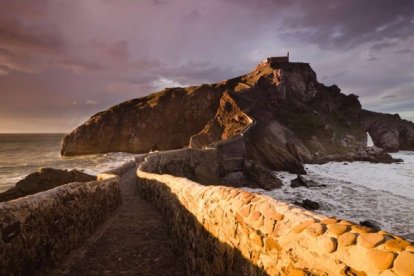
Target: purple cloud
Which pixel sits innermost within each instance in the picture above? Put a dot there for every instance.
(55, 53)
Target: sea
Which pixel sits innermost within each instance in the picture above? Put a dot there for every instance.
(357, 191)
(22, 154)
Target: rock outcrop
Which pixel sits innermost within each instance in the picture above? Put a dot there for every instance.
(228, 122)
(297, 120)
(368, 154)
(44, 179)
(260, 177)
(161, 121)
(301, 181)
(388, 131)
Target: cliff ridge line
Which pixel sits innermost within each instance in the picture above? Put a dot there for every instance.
(298, 120)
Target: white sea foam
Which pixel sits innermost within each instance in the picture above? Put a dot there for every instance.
(396, 178)
(359, 191)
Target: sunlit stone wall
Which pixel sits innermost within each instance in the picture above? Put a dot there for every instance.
(229, 231)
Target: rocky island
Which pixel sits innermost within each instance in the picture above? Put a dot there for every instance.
(196, 147)
(293, 119)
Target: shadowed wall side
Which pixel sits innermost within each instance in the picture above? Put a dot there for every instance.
(37, 231)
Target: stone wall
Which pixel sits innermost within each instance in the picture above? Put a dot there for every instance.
(229, 231)
(39, 230)
(233, 150)
(199, 165)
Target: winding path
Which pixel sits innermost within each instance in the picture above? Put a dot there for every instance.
(135, 241)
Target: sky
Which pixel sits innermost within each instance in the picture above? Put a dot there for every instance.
(63, 61)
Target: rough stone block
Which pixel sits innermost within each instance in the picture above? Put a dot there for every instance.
(237, 204)
(370, 240)
(328, 244)
(244, 211)
(396, 245)
(361, 229)
(337, 229)
(329, 221)
(316, 229)
(381, 259)
(255, 216)
(347, 239)
(302, 226)
(404, 264)
(276, 216)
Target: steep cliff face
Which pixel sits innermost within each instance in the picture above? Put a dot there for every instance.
(228, 122)
(162, 121)
(297, 119)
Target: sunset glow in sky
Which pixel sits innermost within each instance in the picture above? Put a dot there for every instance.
(63, 61)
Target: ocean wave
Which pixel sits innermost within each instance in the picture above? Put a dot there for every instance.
(356, 192)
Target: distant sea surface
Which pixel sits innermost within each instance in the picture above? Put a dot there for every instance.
(358, 191)
(22, 154)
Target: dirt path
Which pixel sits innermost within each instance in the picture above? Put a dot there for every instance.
(133, 242)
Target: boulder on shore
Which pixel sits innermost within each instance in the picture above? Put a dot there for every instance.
(301, 181)
(260, 177)
(42, 180)
(308, 204)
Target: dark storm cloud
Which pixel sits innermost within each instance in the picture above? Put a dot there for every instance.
(20, 28)
(334, 76)
(389, 97)
(345, 24)
(404, 51)
(382, 45)
(372, 59)
(70, 59)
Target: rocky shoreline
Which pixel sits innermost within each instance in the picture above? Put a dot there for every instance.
(251, 174)
(370, 154)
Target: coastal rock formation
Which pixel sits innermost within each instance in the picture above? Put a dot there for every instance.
(161, 121)
(260, 177)
(228, 122)
(368, 154)
(388, 131)
(308, 204)
(44, 179)
(296, 120)
(301, 181)
(278, 148)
